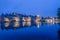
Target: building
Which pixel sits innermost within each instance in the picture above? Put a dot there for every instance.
(6, 19)
(24, 19)
(37, 21)
(52, 20)
(17, 19)
(49, 20)
(28, 19)
(20, 20)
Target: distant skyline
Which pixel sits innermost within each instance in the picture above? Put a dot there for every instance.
(34, 7)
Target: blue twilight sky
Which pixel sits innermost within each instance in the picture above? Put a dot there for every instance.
(33, 7)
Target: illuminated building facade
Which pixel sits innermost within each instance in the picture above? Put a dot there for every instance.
(19, 20)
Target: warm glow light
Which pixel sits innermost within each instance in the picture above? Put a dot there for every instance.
(52, 20)
(16, 24)
(16, 19)
(37, 21)
(28, 23)
(6, 19)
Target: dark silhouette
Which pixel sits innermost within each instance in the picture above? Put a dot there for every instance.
(58, 15)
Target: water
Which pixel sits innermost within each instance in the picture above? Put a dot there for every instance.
(44, 32)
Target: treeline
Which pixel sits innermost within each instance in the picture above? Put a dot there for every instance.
(58, 13)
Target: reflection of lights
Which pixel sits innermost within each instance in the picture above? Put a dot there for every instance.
(37, 21)
(52, 20)
(6, 24)
(29, 23)
(38, 18)
(38, 24)
(49, 20)
(16, 19)
(16, 24)
(24, 23)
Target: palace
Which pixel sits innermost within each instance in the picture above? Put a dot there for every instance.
(20, 20)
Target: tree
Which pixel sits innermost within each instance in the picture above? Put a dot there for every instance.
(58, 14)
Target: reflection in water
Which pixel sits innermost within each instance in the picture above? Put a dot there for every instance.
(19, 24)
(37, 21)
(16, 24)
(59, 31)
(28, 23)
(51, 23)
(24, 23)
(59, 34)
(7, 24)
(0, 24)
(38, 24)
(59, 24)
